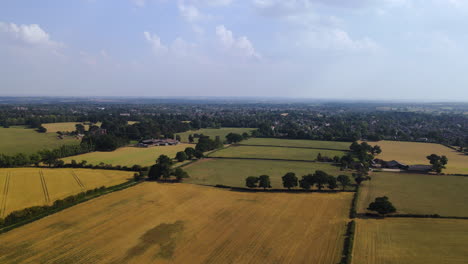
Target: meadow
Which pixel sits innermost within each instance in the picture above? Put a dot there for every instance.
(333, 145)
(274, 153)
(418, 193)
(412, 153)
(184, 223)
(26, 187)
(17, 139)
(416, 241)
(129, 156)
(63, 127)
(213, 132)
(233, 172)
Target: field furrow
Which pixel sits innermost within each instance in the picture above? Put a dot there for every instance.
(5, 194)
(44, 187)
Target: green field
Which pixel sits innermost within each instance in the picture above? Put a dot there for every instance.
(213, 132)
(233, 172)
(129, 156)
(418, 193)
(297, 143)
(274, 153)
(19, 139)
(415, 241)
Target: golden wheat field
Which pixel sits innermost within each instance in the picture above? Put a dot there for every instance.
(129, 156)
(185, 223)
(63, 127)
(415, 241)
(413, 153)
(26, 187)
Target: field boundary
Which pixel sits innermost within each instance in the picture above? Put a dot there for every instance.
(347, 256)
(377, 216)
(270, 159)
(5, 194)
(44, 187)
(273, 190)
(276, 146)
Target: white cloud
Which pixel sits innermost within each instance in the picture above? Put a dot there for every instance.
(31, 34)
(212, 2)
(139, 3)
(240, 46)
(190, 12)
(155, 42)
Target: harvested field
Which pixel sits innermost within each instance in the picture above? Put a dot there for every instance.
(25, 140)
(275, 153)
(129, 156)
(334, 145)
(213, 132)
(184, 223)
(233, 172)
(26, 187)
(415, 241)
(412, 153)
(63, 127)
(418, 193)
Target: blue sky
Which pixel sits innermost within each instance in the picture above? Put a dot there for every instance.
(327, 49)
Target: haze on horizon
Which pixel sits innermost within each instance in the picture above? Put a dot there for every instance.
(329, 49)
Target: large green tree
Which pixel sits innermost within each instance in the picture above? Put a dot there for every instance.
(382, 206)
(344, 180)
(162, 168)
(438, 162)
(251, 182)
(290, 180)
(264, 182)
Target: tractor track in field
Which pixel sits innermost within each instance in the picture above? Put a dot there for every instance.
(78, 180)
(5, 194)
(44, 187)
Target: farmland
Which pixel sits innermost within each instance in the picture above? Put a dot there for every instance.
(63, 127)
(233, 172)
(418, 193)
(183, 223)
(20, 139)
(333, 145)
(416, 241)
(26, 187)
(129, 156)
(275, 153)
(415, 153)
(213, 132)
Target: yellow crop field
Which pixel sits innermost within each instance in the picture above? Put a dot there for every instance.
(64, 127)
(213, 132)
(26, 187)
(415, 241)
(184, 223)
(415, 153)
(129, 156)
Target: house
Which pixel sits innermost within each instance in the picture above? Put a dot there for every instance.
(393, 164)
(419, 168)
(157, 142)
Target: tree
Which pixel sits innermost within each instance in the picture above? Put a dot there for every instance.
(264, 182)
(190, 138)
(320, 178)
(251, 181)
(382, 206)
(332, 183)
(180, 174)
(162, 168)
(49, 157)
(190, 152)
(290, 180)
(319, 157)
(198, 154)
(304, 183)
(234, 138)
(376, 150)
(206, 144)
(344, 180)
(35, 159)
(41, 129)
(80, 129)
(245, 135)
(181, 156)
(177, 137)
(438, 162)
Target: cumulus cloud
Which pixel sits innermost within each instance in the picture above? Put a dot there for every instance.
(31, 34)
(239, 46)
(190, 13)
(155, 42)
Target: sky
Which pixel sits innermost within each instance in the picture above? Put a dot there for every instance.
(323, 49)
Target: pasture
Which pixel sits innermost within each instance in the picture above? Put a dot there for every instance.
(233, 172)
(416, 241)
(415, 153)
(418, 193)
(129, 156)
(184, 223)
(63, 127)
(274, 153)
(213, 132)
(17, 139)
(26, 187)
(333, 145)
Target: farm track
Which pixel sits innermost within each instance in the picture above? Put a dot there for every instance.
(77, 179)
(5, 194)
(44, 187)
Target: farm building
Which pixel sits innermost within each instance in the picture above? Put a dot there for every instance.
(419, 168)
(157, 142)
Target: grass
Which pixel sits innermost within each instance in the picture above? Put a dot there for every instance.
(336, 145)
(418, 193)
(213, 132)
(24, 140)
(275, 153)
(26, 187)
(183, 223)
(415, 153)
(129, 156)
(416, 241)
(64, 127)
(233, 172)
